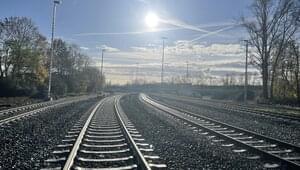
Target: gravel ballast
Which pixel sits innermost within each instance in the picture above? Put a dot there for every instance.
(181, 146)
(288, 131)
(26, 143)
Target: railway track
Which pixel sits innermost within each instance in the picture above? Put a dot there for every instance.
(231, 107)
(24, 108)
(31, 110)
(281, 154)
(259, 110)
(103, 139)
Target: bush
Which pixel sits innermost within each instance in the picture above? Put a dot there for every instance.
(250, 95)
(59, 86)
(10, 89)
(7, 88)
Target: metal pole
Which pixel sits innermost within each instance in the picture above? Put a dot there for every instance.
(101, 70)
(187, 70)
(137, 73)
(52, 50)
(246, 73)
(162, 63)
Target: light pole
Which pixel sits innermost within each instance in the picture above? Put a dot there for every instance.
(137, 73)
(55, 3)
(246, 72)
(187, 70)
(162, 61)
(101, 69)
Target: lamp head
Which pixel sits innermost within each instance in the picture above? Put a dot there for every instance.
(57, 1)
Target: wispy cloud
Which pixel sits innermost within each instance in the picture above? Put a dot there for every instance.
(204, 55)
(84, 48)
(143, 1)
(108, 48)
(183, 25)
(216, 59)
(126, 33)
(177, 25)
(212, 33)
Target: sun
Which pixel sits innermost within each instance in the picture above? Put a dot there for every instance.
(151, 20)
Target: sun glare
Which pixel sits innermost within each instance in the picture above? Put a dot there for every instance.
(151, 20)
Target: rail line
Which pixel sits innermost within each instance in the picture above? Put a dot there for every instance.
(240, 108)
(25, 108)
(104, 139)
(42, 107)
(284, 154)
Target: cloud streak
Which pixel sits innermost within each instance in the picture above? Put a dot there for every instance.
(108, 48)
(212, 33)
(183, 25)
(84, 48)
(178, 25)
(126, 33)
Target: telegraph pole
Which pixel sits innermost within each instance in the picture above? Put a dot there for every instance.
(162, 62)
(137, 73)
(101, 69)
(187, 69)
(246, 72)
(55, 3)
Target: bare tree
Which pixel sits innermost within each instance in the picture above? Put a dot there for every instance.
(287, 27)
(21, 45)
(5, 60)
(296, 54)
(271, 28)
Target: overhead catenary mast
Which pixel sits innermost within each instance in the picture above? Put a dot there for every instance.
(55, 3)
(162, 61)
(246, 72)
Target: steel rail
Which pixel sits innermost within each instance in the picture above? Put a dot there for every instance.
(177, 112)
(36, 105)
(105, 132)
(25, 107)
(32, 112)
(142, 163)
(69, 163)
(215, 104)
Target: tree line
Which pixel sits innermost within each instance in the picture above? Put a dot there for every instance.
(274, 35)
(24, 61)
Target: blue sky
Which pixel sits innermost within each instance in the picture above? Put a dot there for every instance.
(119, 26)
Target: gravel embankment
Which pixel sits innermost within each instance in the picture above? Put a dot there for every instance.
(273, 127)
(26, 143)
(179, 145)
